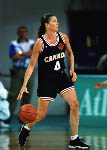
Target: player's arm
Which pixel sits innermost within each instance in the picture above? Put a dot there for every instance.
(100, 84)
(35, 54)
(71, 57)
(69, 51)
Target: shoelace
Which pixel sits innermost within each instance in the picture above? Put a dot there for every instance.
(83, 139)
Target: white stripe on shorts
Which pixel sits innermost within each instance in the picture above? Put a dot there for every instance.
(47, 98)
(67, 89)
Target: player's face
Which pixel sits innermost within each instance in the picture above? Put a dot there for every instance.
(53, 24)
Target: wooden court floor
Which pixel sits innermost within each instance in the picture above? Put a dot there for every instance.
(53, 133)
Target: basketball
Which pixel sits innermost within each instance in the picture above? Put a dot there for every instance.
(27, 113)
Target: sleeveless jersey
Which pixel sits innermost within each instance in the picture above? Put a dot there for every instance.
(51, 57)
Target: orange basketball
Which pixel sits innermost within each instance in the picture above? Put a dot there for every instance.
(27, 113)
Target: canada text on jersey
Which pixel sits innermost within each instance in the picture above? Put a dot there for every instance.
(54, 57)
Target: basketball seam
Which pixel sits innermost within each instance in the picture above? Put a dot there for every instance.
(28, 107)
(24, 117)
(27, 112)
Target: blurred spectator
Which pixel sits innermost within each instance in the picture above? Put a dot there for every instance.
(20, 52)
(4, 106)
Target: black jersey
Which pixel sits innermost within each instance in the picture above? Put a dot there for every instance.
(51, 57)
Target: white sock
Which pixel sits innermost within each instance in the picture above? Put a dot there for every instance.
(26, 127)
(74, 137)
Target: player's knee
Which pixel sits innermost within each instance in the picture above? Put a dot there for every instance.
(74, 105)
(41, 115)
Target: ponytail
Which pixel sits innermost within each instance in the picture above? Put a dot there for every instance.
(41, 30)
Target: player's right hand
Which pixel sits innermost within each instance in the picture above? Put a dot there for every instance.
(99, 85)
(23, 89)
(73, 76)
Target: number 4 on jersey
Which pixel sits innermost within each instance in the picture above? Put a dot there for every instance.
(57, 66)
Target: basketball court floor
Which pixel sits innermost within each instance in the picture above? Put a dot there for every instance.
(52, 133)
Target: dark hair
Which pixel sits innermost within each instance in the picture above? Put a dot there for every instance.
(22, 27)
(44, 19)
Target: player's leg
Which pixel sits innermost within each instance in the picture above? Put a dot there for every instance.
(67, 91)
(42, 111)
(71, 98)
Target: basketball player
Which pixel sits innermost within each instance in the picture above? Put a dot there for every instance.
(101, 84)
(49, 50)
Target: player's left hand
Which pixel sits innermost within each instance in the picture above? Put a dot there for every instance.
(23, 89)
(73, 75)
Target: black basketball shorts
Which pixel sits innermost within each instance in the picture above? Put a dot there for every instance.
(51, 84)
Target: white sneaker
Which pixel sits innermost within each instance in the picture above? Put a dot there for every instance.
(4, 125)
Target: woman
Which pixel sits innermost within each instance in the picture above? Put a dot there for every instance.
(49, 50)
